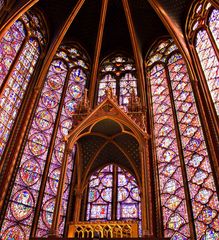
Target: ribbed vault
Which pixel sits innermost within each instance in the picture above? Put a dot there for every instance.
(108, 143)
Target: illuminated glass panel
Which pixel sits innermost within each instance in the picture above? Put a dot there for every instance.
(9, 47)
(172, 93)
(173, 203)
(118, 73)
(62, 90)
(128, 83)
(73, 94)
(107, 82)
(102, 186)
(20, 212)
(214, 25)
(128, 198)
(100, 192)
(35, 21)
(20, 48)
(203, 194)
(15, 88)
(209, 63)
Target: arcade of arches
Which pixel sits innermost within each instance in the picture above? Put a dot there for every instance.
(109, 119)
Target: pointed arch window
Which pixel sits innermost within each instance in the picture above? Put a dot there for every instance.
(182, 157)
(118, 73)
(104, 184)
(203, 34)
(20, 49)
(44, 149)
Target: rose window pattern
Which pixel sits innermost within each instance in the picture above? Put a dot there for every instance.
(110, 183)
(20, 49)
(118, 73)
(44, 149)
(182, 157)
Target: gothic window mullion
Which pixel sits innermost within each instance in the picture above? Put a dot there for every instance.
(74, 88)
(20, 115)
(212, 40)
(19, 81)
(19, 51)
(209, 74)
(181, 157)
(5, 82)
(167, 153)
(84, 207)
(213, 30)
(114, 196)
(194, 148)
(202, 32)
(159, 212)
(49, 156)
(13, 65)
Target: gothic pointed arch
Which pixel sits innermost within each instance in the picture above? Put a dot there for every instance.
(108, 183)
(202, 30)
(42, 152)
(116, 139)
(118, 72)
(21, 48)
(181, 153)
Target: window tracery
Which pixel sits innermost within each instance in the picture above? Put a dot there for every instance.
(117, 72)
(179, 142)
(101, 191)
(20, 47)
(44, 149)
(203, 34)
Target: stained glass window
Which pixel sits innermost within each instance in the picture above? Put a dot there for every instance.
(42, 157)
(118, 73)
(204, 34)
(100, 195)
(102, 186)
(20, 49)
(178, 146)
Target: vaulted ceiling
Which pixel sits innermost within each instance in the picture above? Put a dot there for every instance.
(84, 28)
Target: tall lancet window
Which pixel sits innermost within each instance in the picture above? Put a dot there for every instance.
(113, 184)
(20, 49)
(118, 73)
(182, 158)
(34, 193)
(203, 34)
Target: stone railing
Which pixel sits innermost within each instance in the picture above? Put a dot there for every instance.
(110, 229)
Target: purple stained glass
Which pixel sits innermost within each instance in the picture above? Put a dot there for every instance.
(199, 172)
(128, 83)
(36, 148)
(99, 206)
(75, 85)
(19, 53)
(107, 82)
(9, 46)
(201, 186)
(214, 25)
(100, 195)
(118, 73)
(172, 192)
(209, 63)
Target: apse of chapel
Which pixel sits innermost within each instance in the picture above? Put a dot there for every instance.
(145, 126)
